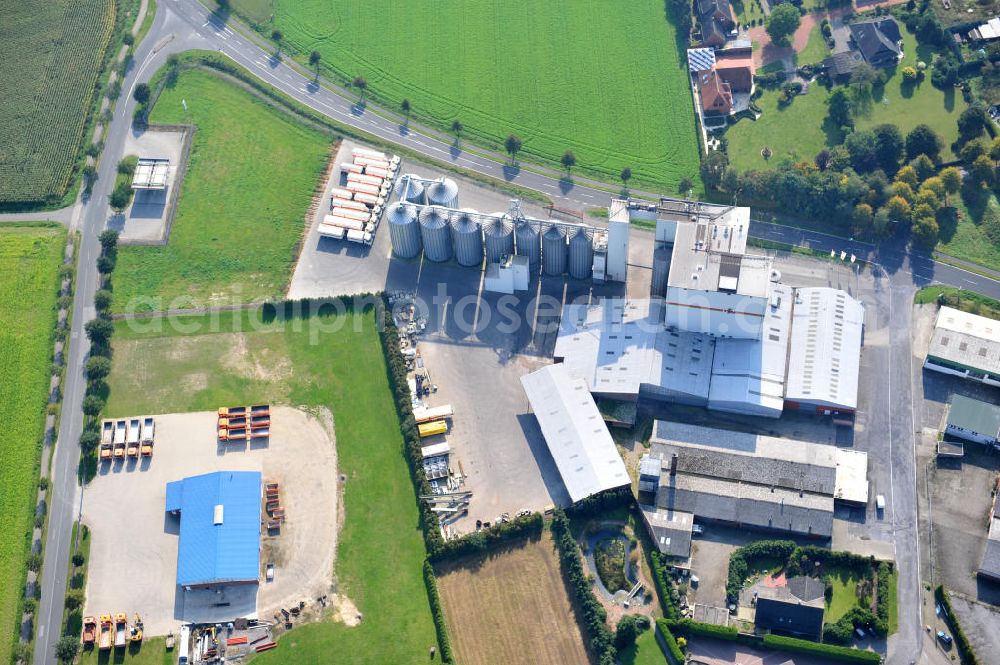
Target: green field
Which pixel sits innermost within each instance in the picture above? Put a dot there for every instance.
(51, 53)
(645, 652)
(603, 78)
(380, 547)
(242, 207)
(800, 130)
(30, 259)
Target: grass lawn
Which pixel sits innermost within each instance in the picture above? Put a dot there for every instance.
(815, 50)
(646, 651)
(748, 10)
(800, 129)
(152, 651)
(52, 53)
(894, 602)
(967, 301)
(241, 212)
(30, 259)
(844, 597)
(965, 237)
(603, 78)
(301, 362)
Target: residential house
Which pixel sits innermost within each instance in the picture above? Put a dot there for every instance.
(794, 609)
(738, 72)
(716, 20)
(878, 40)
(716, 95)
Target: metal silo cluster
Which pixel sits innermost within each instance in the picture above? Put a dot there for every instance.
(498, 234)
(412, 189)
(404, 230)
(443, 192)
(435, 233)
(581, 253)
(467, 238)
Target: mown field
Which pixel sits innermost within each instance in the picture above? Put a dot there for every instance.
(515, 591)
(603, 78)
(800, 130)
(30, 258)
(242, 206)
(51, 54)
(303, 362)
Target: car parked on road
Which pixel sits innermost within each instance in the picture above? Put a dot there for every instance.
(944, 637)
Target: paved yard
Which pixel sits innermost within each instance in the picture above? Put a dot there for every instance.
(146, 220)
(133, 562)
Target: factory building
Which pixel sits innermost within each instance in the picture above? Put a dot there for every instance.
(219, 528)
(973, 420)
(744, 480)
(989, 566)
(965, 345)
(825, 354)
(574, 432)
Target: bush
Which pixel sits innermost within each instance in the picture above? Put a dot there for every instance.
(482, 540)
(687, 628)
(34, 562)
(673, 650)
(961, 641)
(665, 590)
(593, 615)
(74, 599)
(78, 559)
(630, 627)
(99, 330)
(92, 405)
(841, 654)
(430, 581)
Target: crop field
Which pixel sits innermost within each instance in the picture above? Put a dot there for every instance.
(329, 361)
(603, 78)
(30, 258)
(515, 591)
(800, 130)
(51, 54)
(241, 212)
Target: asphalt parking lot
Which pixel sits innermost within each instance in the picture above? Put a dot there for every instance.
(133, 560)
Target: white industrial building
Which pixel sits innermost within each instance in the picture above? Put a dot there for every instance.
(574, 432)
(965, 345)
(825, 354)
(727, 334)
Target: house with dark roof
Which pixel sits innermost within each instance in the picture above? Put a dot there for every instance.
(716, 20)
(793, 609)
(715, 94)
(878, 40)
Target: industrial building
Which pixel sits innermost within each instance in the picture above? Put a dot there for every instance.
(220, 521)
(574, 432)
(795, 608)
(727, 334)
(744, 480)
(973, 420)
(965, 345)
(989, 567)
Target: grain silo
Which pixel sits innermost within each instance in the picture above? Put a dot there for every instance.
(529, 243)
(443, 192)
(581, 253)
(554, 251)
(412, 188)
(498, 233)
(404, 230)
(467, 238)
(435, 233)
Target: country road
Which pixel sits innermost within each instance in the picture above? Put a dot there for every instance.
(181, 25)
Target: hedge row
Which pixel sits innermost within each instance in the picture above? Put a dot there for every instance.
(673, 650)
(961, 640)
(829, 651)
(595, 618)
(444, 644)
(603, 502)
(687, 628)
(484, 539)
(396, 368)
(665, 589)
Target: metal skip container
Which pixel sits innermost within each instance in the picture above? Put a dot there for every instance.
(435, 233)
(581, 254)
(554, 251)
(404, 230)
(498, 235)
(529, 244)
(467, 238)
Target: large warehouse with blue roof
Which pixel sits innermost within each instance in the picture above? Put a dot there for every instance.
(219, 528)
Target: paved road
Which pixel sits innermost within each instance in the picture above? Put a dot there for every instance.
(182, 25)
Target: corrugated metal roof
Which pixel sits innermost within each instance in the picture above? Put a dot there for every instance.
(574, 432)
(973, 415)
(210, 553)
(825, 350)
(966, 339)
